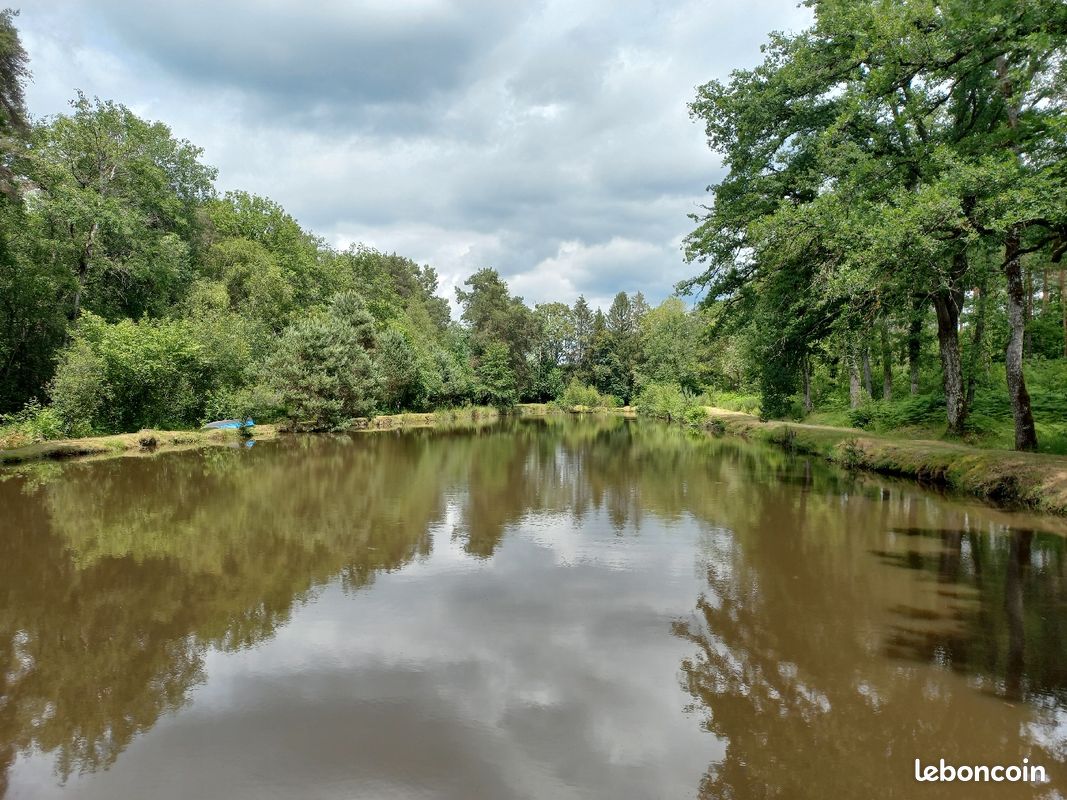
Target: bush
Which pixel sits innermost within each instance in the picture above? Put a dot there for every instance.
(734, 401)
(34, 423)
(79, 387)
(579, 394)
(695, 415)
(671, 402)
(126, 375)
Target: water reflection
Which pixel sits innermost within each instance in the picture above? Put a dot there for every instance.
(844, 626)
(826, 676)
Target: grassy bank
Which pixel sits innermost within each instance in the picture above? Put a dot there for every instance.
(1034, 480)
(140, 443)
(147, 442)
(544, 409)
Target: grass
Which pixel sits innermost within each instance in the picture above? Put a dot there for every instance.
(141, 442)
(989, 424)
(555, 407)
(1033, 480)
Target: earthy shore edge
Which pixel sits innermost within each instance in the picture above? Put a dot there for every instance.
(1032, 480)
(143, 442)
(150, 442)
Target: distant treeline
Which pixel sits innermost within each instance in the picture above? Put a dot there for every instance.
(884, 249)
(133, 295)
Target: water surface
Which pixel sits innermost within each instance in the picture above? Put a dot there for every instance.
(539, 609)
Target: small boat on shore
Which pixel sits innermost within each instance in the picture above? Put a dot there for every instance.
(229, 424)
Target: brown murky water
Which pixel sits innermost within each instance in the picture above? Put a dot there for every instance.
(569, 609)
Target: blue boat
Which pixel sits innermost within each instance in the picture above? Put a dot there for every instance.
(229, 424)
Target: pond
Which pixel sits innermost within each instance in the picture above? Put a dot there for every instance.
(556, 608)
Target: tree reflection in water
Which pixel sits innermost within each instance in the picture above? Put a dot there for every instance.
(790, 668)
(814, 646)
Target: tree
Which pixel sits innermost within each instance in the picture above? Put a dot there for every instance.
(555, 333)
(403, 382)
(495, 317)
(670, 346)
(322, 371)
(255, 282)
(877, 138)
(115, 207)
(14, 72)
(496, 381)
(583, 334)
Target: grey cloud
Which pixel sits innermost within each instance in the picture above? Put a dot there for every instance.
(547, 139)
(315, 56)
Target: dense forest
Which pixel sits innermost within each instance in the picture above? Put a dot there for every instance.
(894, 204)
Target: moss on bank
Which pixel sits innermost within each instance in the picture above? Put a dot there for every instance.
(1033, 480)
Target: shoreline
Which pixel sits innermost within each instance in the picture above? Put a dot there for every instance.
(1033, 481)
(146, 442)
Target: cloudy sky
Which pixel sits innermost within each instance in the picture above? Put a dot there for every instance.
(547, 139)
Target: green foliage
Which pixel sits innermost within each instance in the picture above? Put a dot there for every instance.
(889, 156)
(116, 208)
(322, 370)
(79, 388)
(671, 402)
(496, 381)
(734, 401)
(580, 394)
(34, 423)
(990, 421)
(404, 380)
(671, 348)
(496, 318)
(153, 373)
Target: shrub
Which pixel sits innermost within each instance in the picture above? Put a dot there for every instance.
(34, 423)
(671, 402)
(579, 394)
(147, 374)
(695, 415)
(734, 401)
(79, 387)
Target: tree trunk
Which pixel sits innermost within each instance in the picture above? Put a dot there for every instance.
(84, 260)
(1025, 434)
(887, 364)
(947, 305)
(915, 331)
(977, 342)
(1044, 292)
(855, 391)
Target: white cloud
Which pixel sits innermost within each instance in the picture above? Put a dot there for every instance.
(550, 141)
